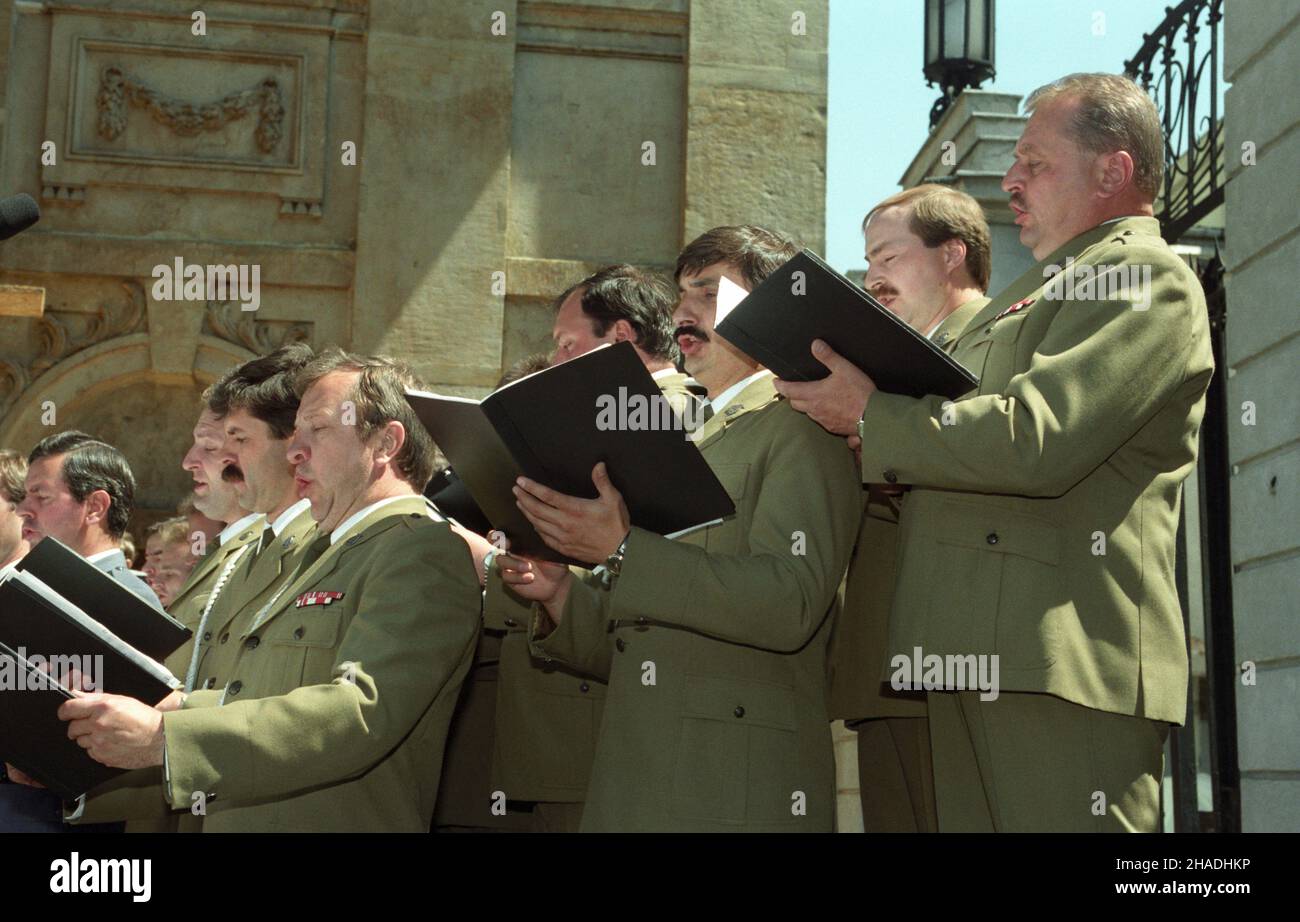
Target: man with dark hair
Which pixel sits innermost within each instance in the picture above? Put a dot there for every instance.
(81, 491)
(625, 304)
(256, 403)
(547, 713)
(1040, 531)
(715, 719)
(13, 480)
(336, 701)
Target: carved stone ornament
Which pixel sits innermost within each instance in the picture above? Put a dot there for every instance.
(229, 321)
(117, 90)
(63, 333)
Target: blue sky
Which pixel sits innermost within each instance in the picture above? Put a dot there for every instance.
(879, 105)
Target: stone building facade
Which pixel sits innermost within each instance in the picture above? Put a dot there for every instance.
(416, 177)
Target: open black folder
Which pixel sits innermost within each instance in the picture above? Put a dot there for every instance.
(150, 630)
(42, 634)
(777, 323)
(554, 426)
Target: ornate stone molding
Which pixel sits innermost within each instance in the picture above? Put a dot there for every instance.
(227, 320)
(63, 333)
(117, 90)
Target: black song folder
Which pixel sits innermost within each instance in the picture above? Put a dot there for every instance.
(555, 425)
(150, 630)
(39, 627)
(777, 323)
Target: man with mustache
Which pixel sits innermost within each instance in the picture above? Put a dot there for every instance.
(334, 707)
(1041, 525)
(714, 644)
(547, 713)
(255, 404)
(928, 252)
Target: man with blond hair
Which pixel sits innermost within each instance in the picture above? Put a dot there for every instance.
(928, 252)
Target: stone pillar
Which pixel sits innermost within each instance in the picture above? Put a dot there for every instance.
(1262, 156)
(434, 157)
(756, 117)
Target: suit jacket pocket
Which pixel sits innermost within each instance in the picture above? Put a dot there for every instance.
(1003, 585)
(737, 753)
(305, 641)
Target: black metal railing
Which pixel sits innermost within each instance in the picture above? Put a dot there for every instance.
(1178, 64)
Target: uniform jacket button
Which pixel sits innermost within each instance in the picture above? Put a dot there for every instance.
(890, 476)
(584, 687)
(992, 537)
(225, 637)
(252, 642)
(234, 687)
(298, 633)
(210, 682)
(739, 711)
(207, 635)
(511, 622)
(619, 645)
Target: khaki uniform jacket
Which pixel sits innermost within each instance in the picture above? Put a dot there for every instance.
(187, 607)
(250, 584)
(1042, 520)
(548, 714)
(715, 718)
(861, 635)
(137, 796)
(336, 709)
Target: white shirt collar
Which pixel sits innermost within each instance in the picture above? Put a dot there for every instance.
(730, 393)
(234, 528)
(663, 372)
(341, 532)
(282, 521)
(95, 558)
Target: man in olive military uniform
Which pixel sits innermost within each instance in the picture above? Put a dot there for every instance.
(215, 497)
(547, 714)
(335, 709)
(928, 252)
(254, 406)
(1042, 520)
(715, 718)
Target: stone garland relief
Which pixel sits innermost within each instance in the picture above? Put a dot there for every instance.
(118, 91)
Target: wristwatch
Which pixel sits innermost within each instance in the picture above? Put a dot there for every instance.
(614, 563)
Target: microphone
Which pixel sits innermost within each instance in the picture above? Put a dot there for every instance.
(17, 213)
